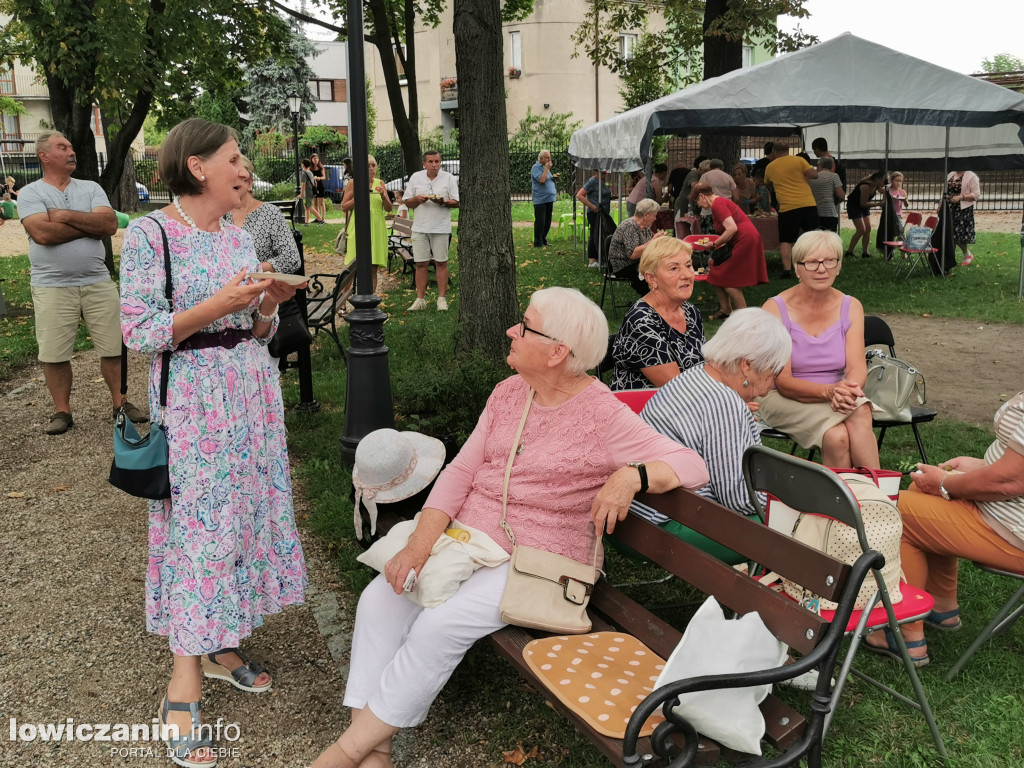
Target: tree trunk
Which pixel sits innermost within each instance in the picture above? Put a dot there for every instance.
(488, 303)
(406, 118)
(75, 122)
(721, 55)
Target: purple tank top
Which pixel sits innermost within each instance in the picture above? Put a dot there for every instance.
(821, 359)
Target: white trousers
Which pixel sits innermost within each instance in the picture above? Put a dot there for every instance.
(403, 654)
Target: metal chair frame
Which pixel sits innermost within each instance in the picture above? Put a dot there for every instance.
(811, 487)
(878, 333)
(1005, 617)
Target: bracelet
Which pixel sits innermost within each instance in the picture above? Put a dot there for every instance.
(264, 318)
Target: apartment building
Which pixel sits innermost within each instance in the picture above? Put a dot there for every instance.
(540, 71)
(330, 86)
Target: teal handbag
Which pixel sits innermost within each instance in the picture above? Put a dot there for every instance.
(140, 463)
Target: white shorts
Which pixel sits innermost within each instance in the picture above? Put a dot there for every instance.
(430, 246)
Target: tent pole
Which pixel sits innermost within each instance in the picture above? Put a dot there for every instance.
(942, 202)
(619, 197)
(886, 160)
(1020, 285)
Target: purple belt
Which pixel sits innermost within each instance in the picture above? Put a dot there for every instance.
(228, 338)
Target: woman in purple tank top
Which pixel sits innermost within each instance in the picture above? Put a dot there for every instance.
(819, 400)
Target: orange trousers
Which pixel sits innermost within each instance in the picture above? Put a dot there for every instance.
(937, 533)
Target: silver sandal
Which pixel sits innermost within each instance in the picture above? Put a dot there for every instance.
(179, 748)
(242, 677)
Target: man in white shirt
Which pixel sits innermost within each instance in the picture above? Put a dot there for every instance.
(431, 193)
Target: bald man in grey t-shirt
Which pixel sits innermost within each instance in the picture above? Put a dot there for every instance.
(65, 220)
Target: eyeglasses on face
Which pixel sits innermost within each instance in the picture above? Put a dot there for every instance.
(814, 265)
(523, 328)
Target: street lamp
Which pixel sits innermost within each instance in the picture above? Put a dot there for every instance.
(368, 404)
(295, 106)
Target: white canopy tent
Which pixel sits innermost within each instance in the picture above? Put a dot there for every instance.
(868, 101)
(846, 89)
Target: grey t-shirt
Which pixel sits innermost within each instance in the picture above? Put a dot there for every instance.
(77, 262)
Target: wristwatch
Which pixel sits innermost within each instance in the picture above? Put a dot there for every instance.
(942, 488)
(642, 469)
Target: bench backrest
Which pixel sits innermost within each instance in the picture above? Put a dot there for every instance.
(287, 208)
(794, 625)
(401, 227)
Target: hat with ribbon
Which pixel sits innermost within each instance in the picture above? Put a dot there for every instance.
(391, 466)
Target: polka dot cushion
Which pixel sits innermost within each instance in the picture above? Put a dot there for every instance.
(602, 677)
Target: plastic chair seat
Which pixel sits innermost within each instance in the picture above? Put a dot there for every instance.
(915, 605)
(635, 398)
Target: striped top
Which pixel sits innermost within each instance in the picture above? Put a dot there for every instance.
(1008, 513)
(713, 421)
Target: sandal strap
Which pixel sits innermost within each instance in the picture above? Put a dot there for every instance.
(182, 746)
(246, 673)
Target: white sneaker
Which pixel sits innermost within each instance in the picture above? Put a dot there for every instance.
(418, 305)
(442, 303)
(593, 265)
(808, 681)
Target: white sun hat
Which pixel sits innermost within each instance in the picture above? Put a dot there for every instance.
(391, 466)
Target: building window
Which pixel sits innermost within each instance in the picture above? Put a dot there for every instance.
(10, 128)
(748, 56)
(402, 79)
(515, 51)
(322, 90)
(627, 43)
(7, 81)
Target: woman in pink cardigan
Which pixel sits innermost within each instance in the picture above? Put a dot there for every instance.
(963, 188)
(572, 480)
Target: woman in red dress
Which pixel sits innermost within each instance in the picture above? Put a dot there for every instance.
(746, 266)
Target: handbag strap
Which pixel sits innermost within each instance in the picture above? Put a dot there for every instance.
(166, 363)
(513, 451)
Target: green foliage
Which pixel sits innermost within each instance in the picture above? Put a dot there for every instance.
(146, 171)
(522, 158)
(219, 108)
(270, 82)
(322, 139)
(152, 134)
(597, 36)
(554, 130)
(371, 110)
(644, 76)
(9, 106)
(284, 190)
(1002, 62)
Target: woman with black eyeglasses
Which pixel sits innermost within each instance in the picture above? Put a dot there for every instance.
(581, 457)
(818, 398)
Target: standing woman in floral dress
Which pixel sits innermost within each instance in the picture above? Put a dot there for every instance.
(963, 188)
(223, 550)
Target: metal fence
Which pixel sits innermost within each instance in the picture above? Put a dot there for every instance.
(1001, 190)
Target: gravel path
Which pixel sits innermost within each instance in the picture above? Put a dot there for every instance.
(72, 609)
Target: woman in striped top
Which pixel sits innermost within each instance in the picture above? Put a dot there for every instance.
(964, 507)
(707, 408)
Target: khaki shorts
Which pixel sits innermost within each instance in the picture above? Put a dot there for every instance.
(806, 423)
(59, 311)
(429, 245)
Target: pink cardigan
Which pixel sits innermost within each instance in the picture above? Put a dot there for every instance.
(569, 451)
(970, 185)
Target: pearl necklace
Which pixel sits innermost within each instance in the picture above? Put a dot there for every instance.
(184, 216)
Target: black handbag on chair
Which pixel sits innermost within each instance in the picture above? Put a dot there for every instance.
(292, 333)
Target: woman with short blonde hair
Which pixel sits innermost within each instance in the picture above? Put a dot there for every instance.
(819, 398)
(663, 332)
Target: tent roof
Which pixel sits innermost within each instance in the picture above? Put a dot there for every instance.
(845, 80)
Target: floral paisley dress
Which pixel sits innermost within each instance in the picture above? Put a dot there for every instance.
(223, 551)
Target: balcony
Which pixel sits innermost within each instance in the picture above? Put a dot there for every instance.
(450, 93)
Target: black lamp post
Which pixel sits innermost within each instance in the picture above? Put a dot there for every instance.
(368, 404)
(295, 107)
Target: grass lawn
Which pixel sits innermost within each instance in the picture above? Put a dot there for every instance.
(979, 714)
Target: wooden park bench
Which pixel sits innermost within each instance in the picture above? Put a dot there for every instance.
(326, 295)
(816, 640)
(787, 730)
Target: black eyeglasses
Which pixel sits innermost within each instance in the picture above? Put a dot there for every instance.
(523, 328)
(816, 264)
